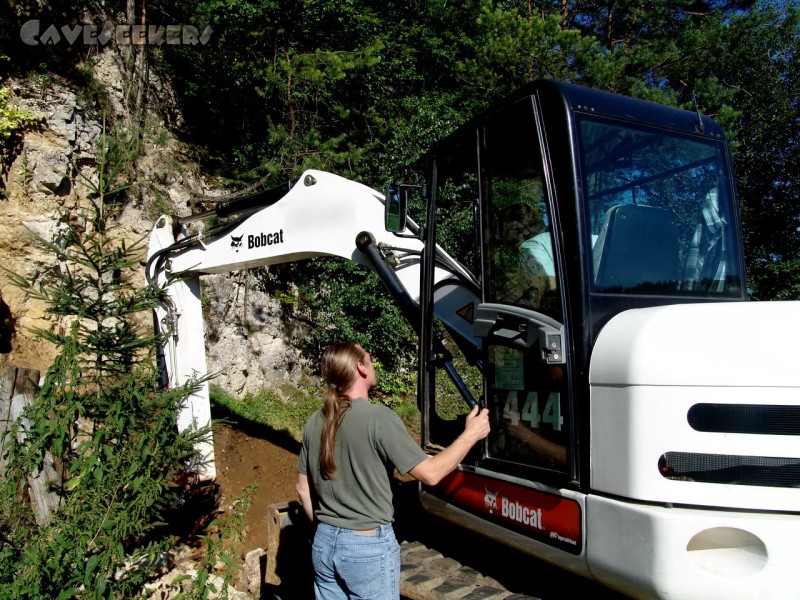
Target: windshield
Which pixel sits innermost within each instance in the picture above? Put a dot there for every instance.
(660, 212)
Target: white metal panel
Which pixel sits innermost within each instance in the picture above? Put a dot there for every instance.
(657, 552)
(185, 355)
(650, 366)
(633, 426)
(736, 344)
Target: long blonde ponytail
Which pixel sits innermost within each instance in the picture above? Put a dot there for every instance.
(338, 366)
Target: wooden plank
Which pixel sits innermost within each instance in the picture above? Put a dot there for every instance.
(7, 392)
(19, 385)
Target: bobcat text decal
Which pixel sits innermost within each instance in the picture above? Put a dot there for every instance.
(513, 510)
(264, 239)
(257, 240)
(521, 513)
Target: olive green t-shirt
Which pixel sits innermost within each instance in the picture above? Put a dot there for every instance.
(371, 442)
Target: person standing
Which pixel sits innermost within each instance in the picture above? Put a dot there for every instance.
(344, 478)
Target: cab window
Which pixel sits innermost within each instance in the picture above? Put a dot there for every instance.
(660, 212)
(519, 259)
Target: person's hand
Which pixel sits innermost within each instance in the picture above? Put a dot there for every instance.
(511, 415)
(477, 425)
(511, 423)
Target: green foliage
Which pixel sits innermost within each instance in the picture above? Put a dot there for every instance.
(340, 300)
(13, 121)
(308, 83)
(763, 74)
(394, 386)
(99, 414)
(268, 408)
(515, 46)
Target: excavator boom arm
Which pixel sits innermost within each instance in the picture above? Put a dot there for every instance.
(321, 215)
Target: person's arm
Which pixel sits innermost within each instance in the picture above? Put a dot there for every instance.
(304, 492)
(552, 451)
(432, 470)
(545, 448)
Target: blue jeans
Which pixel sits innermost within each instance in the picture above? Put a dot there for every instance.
(355, 566)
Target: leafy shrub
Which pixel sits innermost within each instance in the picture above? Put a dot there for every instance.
(340, 300)
(13, 120)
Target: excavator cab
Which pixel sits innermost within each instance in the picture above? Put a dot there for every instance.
(567, 206)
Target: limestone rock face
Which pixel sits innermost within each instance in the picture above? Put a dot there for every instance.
(247, 343)
(244, 331)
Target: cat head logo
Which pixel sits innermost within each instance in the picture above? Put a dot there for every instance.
(236, 242)
(490, 500)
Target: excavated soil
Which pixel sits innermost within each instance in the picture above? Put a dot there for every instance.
(248, 455)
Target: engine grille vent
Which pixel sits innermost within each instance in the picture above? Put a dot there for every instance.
(745, 418)
(731, 470)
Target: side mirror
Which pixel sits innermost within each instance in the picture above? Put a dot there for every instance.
(395, 209)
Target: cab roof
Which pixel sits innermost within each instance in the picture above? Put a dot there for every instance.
(579, 99)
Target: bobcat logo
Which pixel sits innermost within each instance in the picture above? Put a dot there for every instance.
(490, 500)
(236, 242)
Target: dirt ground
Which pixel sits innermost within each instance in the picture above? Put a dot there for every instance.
(248, 454)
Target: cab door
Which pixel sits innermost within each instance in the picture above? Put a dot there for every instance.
(494, 211)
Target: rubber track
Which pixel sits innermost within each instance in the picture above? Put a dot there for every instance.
(427, 575)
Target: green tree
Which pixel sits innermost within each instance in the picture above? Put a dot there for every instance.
(736, 61)
(762, 72)
(100, 415)
(515, 46)
(280, 89)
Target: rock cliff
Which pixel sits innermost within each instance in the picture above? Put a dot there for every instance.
(247, 344)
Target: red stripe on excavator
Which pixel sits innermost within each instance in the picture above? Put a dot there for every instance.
(548, 518)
